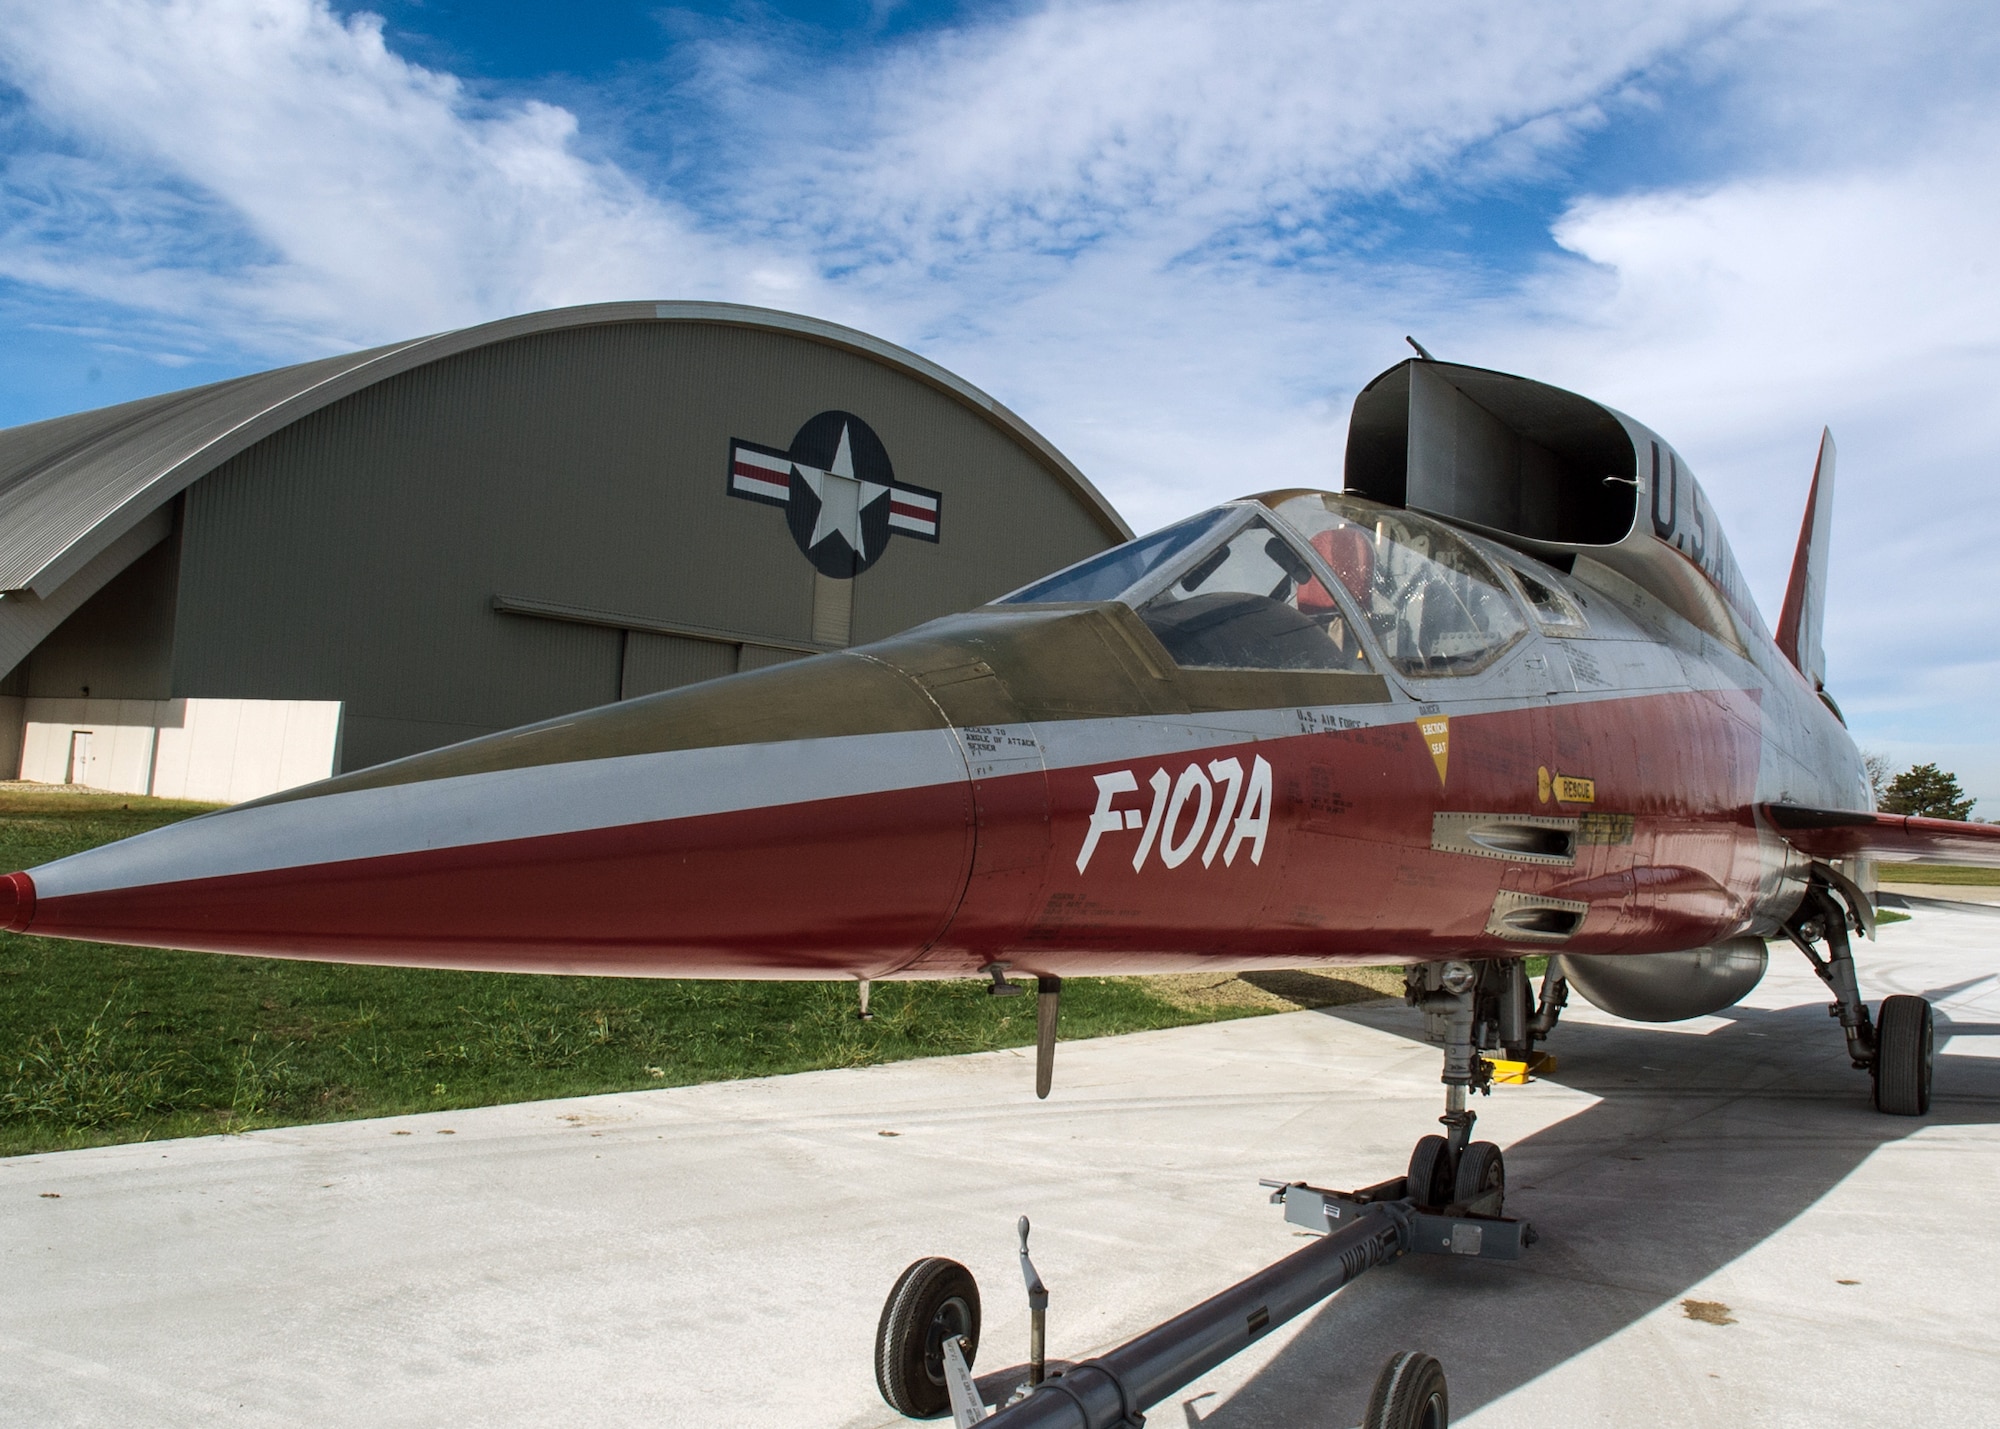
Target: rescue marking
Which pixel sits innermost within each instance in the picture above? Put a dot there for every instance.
(1167, 824)
(1566, 788)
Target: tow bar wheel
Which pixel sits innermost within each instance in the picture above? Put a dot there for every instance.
(1409, 1394)
(931, 1300)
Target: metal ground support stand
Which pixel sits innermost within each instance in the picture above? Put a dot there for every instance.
(1895, 1049)
(1359, 1229)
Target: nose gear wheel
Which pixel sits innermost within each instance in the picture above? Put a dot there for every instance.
(1481, 1173)
(1431, 1178)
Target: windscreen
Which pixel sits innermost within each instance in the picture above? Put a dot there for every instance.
(1239, 595)
(1110, 575)
(1432, 602)
(1253, 603)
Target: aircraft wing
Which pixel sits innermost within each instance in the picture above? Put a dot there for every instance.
(1843, 833)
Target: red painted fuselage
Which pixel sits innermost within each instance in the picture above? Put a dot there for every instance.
(1048, 785)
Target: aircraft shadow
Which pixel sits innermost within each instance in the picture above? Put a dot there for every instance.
(1701, 1148)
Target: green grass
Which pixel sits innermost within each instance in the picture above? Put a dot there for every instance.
(102, 1044)
(1951, 873)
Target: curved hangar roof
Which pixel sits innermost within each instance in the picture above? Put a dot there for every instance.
(83, 496)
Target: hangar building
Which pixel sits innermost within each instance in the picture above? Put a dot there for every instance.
(225, 591)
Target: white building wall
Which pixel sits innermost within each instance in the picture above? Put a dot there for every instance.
(219, 751)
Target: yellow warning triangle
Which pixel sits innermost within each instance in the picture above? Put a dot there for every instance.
(1436, 730)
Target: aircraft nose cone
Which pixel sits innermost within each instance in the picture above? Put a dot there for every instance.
(17, 902)
(812, 820)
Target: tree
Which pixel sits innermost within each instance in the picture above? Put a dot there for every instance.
(1929, 791)
(1877, 766)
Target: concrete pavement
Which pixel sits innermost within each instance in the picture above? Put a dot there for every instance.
(1943, 892)
(718, 1255)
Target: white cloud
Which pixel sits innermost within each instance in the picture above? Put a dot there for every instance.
(281, 170)
(1050, 130)
(1122, 217)
(1850, 279)
(1740, 319)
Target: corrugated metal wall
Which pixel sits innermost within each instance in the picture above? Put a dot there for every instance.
(118, 645)
(662, 662)
(355, 555)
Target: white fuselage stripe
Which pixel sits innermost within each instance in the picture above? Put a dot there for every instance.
(534, 802)
(552, 799)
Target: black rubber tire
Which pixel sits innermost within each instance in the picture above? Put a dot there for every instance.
(1430, 1171)
(1904, 1043)
(931, 1299)
(1481, 1171)
(1409, 1394)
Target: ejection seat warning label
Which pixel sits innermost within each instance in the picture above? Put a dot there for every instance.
(1436, 730)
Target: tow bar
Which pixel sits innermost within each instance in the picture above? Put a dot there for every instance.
(928, 1334)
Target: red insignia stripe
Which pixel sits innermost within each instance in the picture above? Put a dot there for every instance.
(761, 480)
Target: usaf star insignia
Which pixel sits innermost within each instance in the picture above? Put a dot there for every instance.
(841, 497)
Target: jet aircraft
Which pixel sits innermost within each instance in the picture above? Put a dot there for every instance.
(1504, 695)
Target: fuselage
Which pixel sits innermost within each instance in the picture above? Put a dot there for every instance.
(1070, 786)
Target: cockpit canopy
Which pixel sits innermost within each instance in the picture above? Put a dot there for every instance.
(1303, 581)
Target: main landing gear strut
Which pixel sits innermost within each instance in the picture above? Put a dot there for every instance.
(1894, 1048)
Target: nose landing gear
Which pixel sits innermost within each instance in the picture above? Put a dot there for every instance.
(1468, 1007)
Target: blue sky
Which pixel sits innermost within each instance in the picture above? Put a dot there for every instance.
(1176, 236)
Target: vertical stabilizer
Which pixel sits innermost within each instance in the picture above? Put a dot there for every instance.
(1804, 614)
